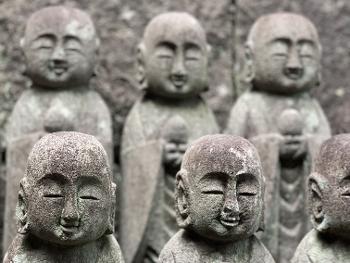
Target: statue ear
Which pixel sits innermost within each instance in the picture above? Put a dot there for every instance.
(141, 75)
(181, 199)
(22, 208)
(315, 199)
(249, 64)
(110, 228)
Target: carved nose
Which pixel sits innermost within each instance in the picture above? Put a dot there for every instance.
(294, 68)
(294, 71)
(70, 214)
(179, 70)
(231, 206)
(58, 54)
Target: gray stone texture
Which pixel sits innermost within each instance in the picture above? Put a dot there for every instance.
(172, 70)
(59, 99)
(219, 204)
(66, 203)
(283, 120)
(328, 195)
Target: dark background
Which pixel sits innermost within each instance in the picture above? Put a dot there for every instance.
(120, 24)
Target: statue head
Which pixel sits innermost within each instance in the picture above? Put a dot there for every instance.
(290, 122)
(173, 56)
(175, 136)
(329, 188)
(67, 196)
(220, 188)
(60, 47)
(283, 54)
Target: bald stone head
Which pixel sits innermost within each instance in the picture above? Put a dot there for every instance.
(329, 188)
(67, 196)
(60, 46)
(173, 56)
(175, 135)
(290, 122)
(220, 188)
(283, 54)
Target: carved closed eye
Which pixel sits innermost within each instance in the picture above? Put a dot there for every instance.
(53, 195)
(246, 193)
(213, 191)
(89, 197)
(346, 193)
(280, 55)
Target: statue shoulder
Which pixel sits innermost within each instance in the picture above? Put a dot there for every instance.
(179, 249)
(260, 252)
(110, 251)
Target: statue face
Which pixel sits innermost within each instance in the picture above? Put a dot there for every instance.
(333, 202)
(60, 48)
(175, 57)
(225, 196)
(69, 202)
(286, 54)
(329, 188)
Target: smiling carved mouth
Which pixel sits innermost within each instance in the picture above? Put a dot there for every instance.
(230, 221)
(69, 229)
(59, 70)
(178, 81)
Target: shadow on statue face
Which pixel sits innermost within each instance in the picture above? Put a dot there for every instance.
(285, 59)
(68, 207)
(223, 206)
(61, 55)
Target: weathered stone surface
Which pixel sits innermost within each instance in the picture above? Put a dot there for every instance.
(328, 194)
(66, 203)
(283, 121)
(60, 47)
(219, 203)
(172, 70)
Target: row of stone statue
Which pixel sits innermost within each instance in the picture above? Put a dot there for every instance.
(66, 202)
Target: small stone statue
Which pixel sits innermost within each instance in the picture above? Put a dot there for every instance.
(329, 199)
(219, 204)
(283, 121)
(60, 48)
(66, 203)
(172, 70)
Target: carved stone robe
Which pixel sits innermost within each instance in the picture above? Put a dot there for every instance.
(146, 210)
(255, 117)
(38, 112)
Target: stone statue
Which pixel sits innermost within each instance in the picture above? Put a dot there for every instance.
(219, 204)
(172, 71)
(329, 199)
(66, 203)
(60, 48)
(282, 120)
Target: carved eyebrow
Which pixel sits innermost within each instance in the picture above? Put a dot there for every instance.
(215, 175)
(192, 45)
(345, 180)
(307, 41)
(246, 176)
(284, 40)
(167, 44)
(70, 37)
(86, 179)
(46, 35)
(56, 177)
